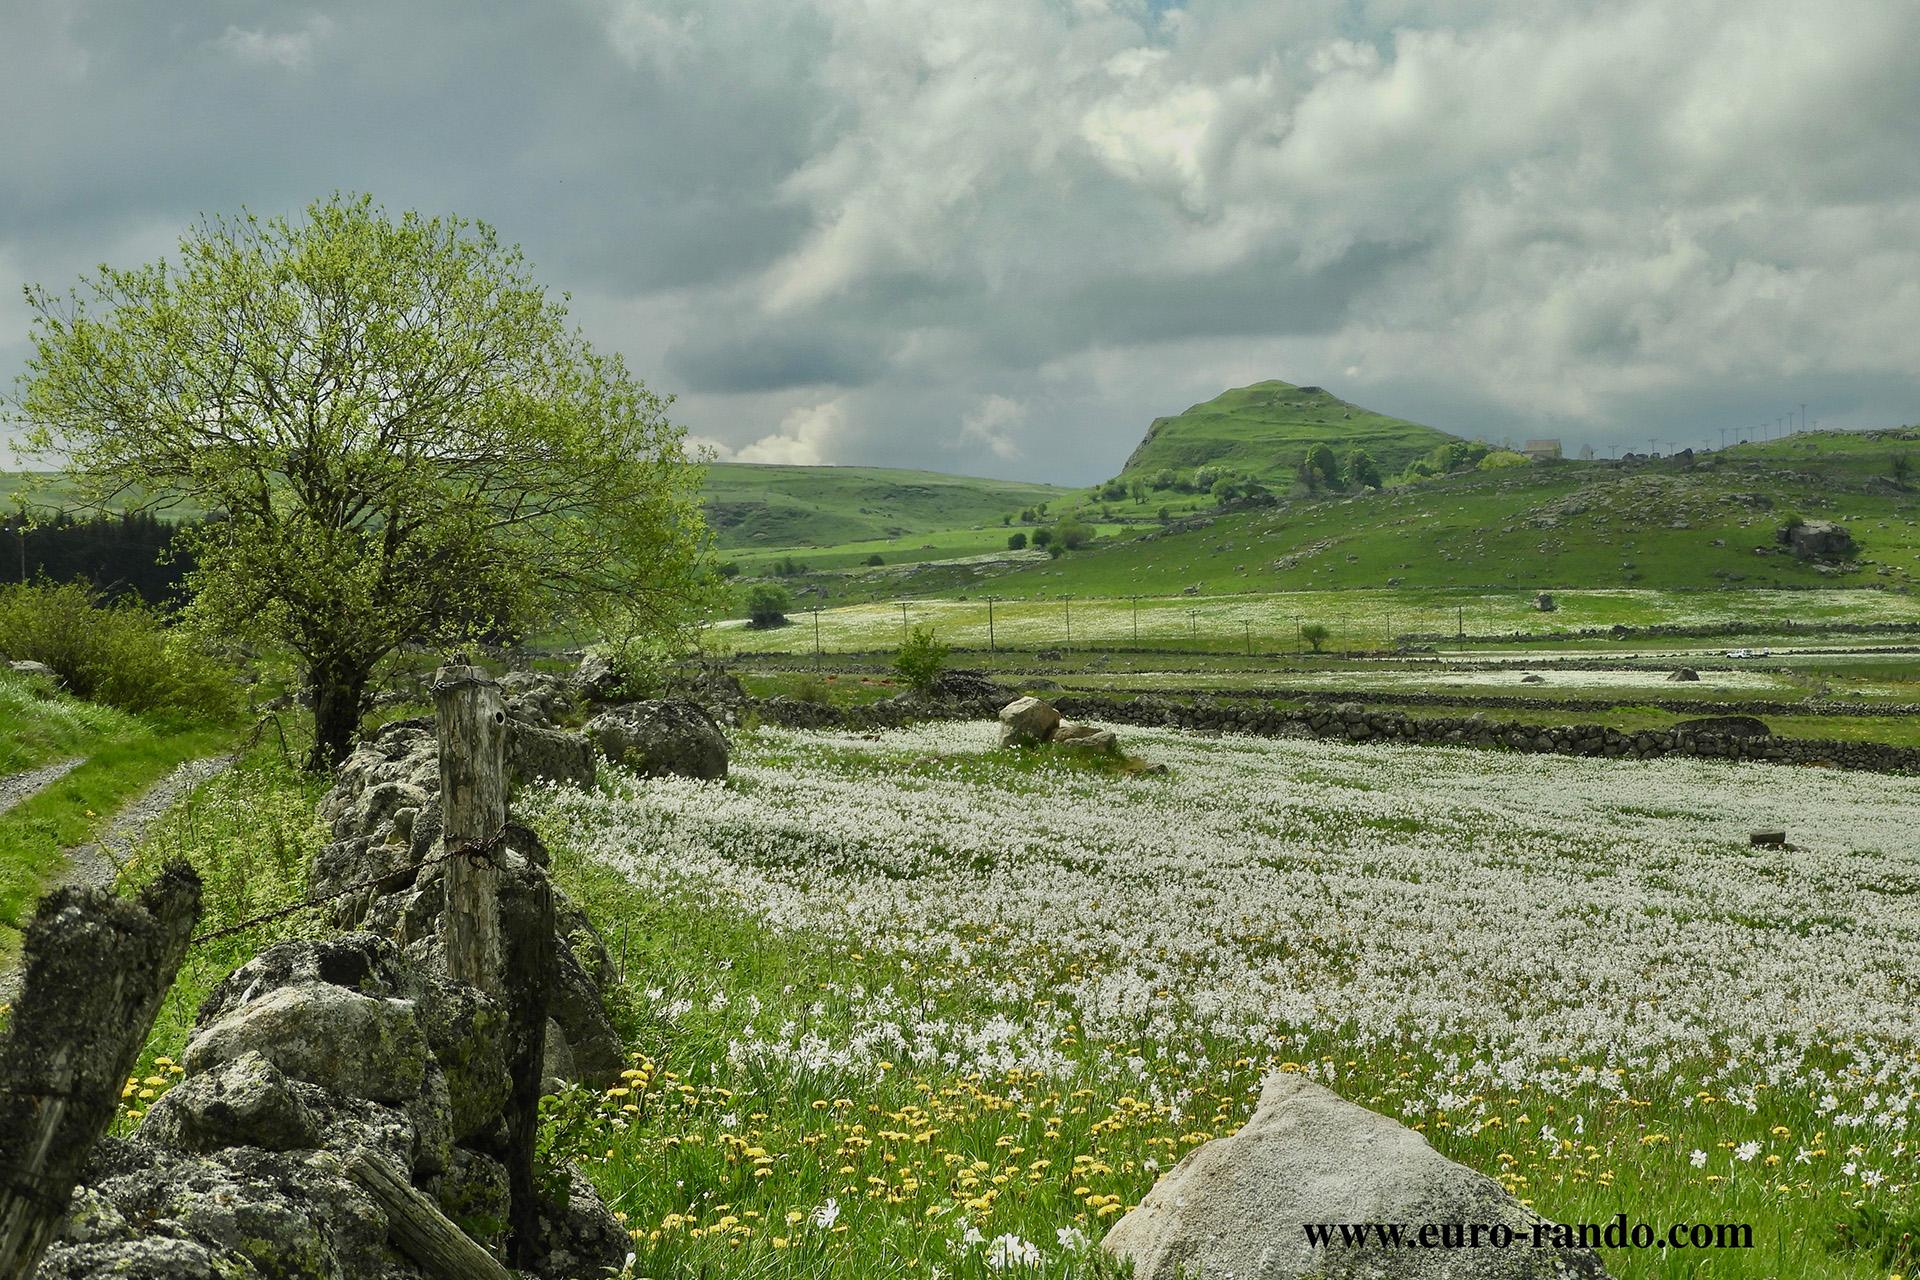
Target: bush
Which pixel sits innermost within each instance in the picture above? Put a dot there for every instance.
(1042, 537)
(1072, 534)
(1016, 542)
(921, 660)
(1315, 634)
(121, 654)
(728, 568)
(767, 606)
(874, 559)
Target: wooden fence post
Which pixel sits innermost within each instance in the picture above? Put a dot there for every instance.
(96, 969)
(472, 721)
(527, 941)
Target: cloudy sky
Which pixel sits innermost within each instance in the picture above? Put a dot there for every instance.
(999, 236)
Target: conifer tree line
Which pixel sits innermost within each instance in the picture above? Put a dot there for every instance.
(118, 554)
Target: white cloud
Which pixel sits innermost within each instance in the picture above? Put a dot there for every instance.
(290, 50)
(806, 437)
(991, 423)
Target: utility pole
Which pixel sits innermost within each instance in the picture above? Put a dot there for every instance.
(816, 637)
(1136, 622)
(1803, 417)
(1723, 437)
(1068, 602)
(991, 646)
(1247, 627)
(903, 622)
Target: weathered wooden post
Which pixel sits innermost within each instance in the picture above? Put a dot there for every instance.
(472, 721)
(499, 921)
(96, 970)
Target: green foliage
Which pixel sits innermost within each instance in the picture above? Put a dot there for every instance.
(786, 567)
(122, 654)
(921, 659)
(767, 605)
(728, 568)
(1499, 459)
(1042, 537)
(750, 506)
(1072, 534)
(1322, 463)
(1900, 467)
(1361, 470)
(1315, 634)
(1016, 541)
(406, 439)
(875, 559)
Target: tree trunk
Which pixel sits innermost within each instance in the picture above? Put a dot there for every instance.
(339, 692)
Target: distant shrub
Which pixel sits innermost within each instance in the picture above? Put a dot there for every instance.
(1501, 458)
(122, 654)
(1362, 471)
(787, 567)
(1315, 634)
(728, 568)
(767, 606)
(1042, 537)
(1072, 534)
(874, 559)
(1016, 542)
(921, 659)
(810, 688)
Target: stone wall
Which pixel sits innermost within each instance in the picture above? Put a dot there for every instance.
(1352, 722)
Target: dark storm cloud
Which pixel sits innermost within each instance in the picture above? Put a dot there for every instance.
(1005, 235)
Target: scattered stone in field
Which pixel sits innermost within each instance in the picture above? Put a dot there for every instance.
(1236, 1206)
(661, 737)
(1682, 675)
(1027, 722)
(1544, 602)
(33, 670)
(1767, 839)
(1819, 540)
(1533, 678)
(1725, 727)
(1084, 737)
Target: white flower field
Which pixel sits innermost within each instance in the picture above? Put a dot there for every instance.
(1573, 974)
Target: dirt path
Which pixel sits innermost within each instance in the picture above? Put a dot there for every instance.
(16, 787)
(99, 863)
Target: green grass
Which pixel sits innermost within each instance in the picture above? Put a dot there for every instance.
(76, 808)
(38, 726)
(721, 1166)
(1266, 429)
(1267, 623)
(757, 506)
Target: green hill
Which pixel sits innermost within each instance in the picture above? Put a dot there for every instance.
(1672, 523)
(1266, 429)
(765, 506)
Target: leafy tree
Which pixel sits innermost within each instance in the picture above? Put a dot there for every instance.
(728, 568)
(1321, 460)
(1072, 534)
(1315, 634)
(767, 605)
(1900, 467)
(1204, 478)
(921, 659)
(1165, 515)
(1138, 492)
(1016, 542)
(1164, 479)
(404, 439)
(1500, 459)
(1362, 471)
(874, 559)
(1042, 537)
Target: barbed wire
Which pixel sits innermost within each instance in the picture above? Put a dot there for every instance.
(480, 852)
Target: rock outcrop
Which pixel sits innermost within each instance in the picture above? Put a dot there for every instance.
(1237, 1206)
(660, 737)
(1821, 540)
(1026, 722)
(310, 1052)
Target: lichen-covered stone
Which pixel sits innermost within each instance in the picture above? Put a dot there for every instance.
(466, 1031)
(246, 1101)
(661, 737)
(361, 1046)
(473, 1192)
(150, 1257)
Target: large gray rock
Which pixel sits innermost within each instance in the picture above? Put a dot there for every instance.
(1237, 1206)
(361, 1046)
(535, 697)
(246, 1101)
(596, 678)
(661, 737)
(1820, 540)
(539, 754)
(1027, 721)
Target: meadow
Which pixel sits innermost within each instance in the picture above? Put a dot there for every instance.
(1269, 622)
(911, 1006)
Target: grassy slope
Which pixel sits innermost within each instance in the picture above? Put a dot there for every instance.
(1267, 428)
(779, 507)
(1591, 525)
(124, 755)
